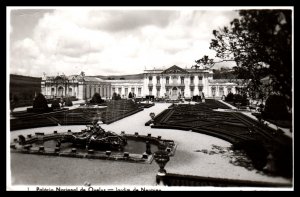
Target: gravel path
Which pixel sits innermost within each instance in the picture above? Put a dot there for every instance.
(46, 170)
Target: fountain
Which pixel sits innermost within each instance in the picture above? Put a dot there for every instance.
(95, 143)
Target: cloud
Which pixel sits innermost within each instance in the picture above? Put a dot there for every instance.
(103, 42)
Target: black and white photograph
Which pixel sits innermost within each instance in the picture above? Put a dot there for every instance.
(150, 98)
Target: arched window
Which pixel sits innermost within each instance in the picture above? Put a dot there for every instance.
(213, 91)
(221, 91)
(52, 91)
(70, 91)
(61, 91)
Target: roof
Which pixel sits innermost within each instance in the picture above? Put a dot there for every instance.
(91, 78)
(121, 77)
(237, 81)
(174, 69)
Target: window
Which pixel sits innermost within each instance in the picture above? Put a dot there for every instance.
(182, 80)
(52, 91)
(157, 91)
(229, 89)
(192, 79)
(213, 91)
(139, 91)
(192, 90)
(158, 80)
(150, 79)
(221, 91)
(200, 77)
(167, 80)
(200, 88)
(174, 79)
(150, 90)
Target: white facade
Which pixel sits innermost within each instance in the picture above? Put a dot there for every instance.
(171, 83)
(176, 82)
(124, 87)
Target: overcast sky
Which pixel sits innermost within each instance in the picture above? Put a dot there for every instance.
(109, 42)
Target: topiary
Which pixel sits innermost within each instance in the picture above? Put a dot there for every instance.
(68, 102)
(96, 99)
(40, 102)
(114, 96)
(55, 104)
(229, 97)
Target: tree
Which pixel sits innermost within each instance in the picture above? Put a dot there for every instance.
(259, 42)
(40, 102)
(55, 104)
(96, 99)
(229, 97)
(116, 96)
(68, 102)
(129, 95)
(276, 108)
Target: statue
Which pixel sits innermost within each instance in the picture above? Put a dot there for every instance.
(96, 138)
(21, 140)
(152, 115)
(148, 148)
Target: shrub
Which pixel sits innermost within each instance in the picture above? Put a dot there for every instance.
(96, 99)
(129, 95)
(196, 98)
(55, 104)
(40, 102)
(276, 108)
(229, 97)
(116, 96)
(237, 98)
(68, 102)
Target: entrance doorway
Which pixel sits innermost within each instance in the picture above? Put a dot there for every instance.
(60, 91)
(174, 91)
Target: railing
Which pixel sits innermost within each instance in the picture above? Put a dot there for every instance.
(175, 84)
(187, 180)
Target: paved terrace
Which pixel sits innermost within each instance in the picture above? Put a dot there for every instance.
(48, 170)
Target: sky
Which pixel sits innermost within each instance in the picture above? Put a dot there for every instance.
(110, 41)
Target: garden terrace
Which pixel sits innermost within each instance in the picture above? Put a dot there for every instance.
(118, 109)
(245, 133)
(115, 110)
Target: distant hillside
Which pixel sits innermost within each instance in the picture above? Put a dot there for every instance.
(118, 77)
(224, 73)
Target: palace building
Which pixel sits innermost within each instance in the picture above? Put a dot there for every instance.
(171, 83)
